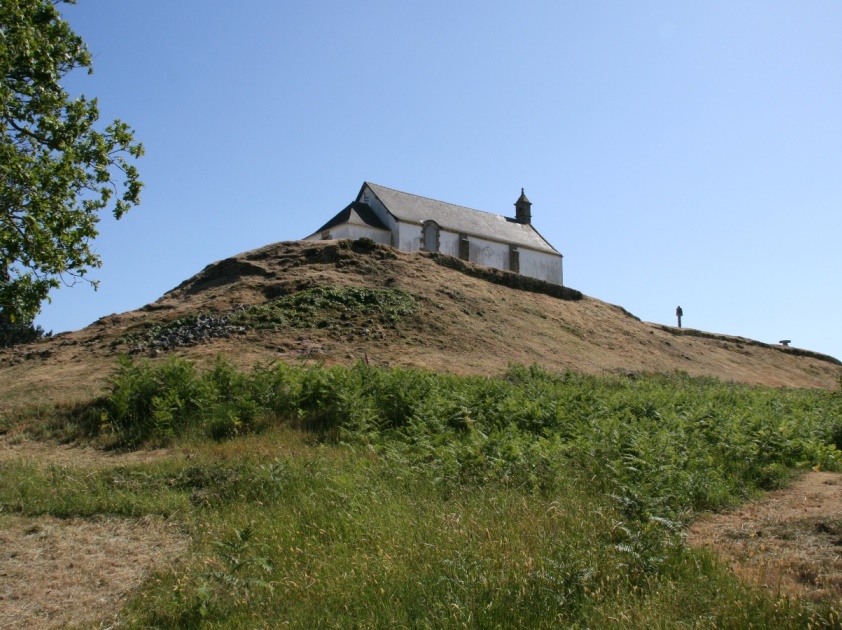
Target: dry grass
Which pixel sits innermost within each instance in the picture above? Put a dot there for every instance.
(790, 541)
(464, 326)
(55, 573)
(17, 447)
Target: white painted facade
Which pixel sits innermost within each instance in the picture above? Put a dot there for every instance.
(407, 237)
(489, 253)
(351, 231)
(541, 265)
(448, 243)
(405, 224)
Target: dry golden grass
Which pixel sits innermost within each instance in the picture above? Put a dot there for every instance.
(790, 541)
(56, 573)
(18, 447)
(465, 326)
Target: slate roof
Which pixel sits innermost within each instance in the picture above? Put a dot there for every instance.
(412, 208)
(356, 213)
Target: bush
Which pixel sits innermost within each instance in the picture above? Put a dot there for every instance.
(661, 445)
(149, 403)
(14, 334)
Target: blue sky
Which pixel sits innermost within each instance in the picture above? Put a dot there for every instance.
(675, 153)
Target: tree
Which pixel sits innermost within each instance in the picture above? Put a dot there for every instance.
(12, 334)
(57, 172)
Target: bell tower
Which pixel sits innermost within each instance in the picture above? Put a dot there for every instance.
(523, 209)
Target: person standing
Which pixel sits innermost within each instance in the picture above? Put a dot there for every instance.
(679, 313)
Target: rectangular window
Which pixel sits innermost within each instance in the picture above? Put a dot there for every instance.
(464, 247)
(514, 259)
(325, 236)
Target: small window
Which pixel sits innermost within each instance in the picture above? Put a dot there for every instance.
(514, 259)
(464, 247)
(325, 236)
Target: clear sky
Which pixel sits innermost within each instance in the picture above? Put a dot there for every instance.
(676, 153)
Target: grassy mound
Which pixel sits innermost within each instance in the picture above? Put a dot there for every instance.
(369, 497)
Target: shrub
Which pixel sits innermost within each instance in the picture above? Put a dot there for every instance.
(12, 334)
(661, 445)
(149, 403)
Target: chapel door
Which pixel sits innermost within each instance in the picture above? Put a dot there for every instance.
(431, 237)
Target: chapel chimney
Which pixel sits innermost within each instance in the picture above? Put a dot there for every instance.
(523, 209)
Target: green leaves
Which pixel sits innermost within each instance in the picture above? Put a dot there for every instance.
(660, 446)
(57, 172)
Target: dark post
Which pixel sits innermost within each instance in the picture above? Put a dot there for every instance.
(679, 313)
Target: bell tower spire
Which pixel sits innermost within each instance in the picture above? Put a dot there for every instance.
(523, 209)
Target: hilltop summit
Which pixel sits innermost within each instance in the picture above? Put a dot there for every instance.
(336, 301)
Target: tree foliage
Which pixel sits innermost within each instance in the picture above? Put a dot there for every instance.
(57, 172)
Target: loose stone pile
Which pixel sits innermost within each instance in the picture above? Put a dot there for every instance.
(190, 333)
(205, 327)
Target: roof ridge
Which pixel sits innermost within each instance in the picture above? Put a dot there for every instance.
(416, 209)
(446, 203)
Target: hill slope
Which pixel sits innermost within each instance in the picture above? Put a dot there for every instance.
(408, 309)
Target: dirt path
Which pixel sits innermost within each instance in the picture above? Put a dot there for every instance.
(74, 572)
(78, 572)
(789, 542)
(15, 447)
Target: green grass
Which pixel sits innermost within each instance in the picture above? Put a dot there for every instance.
(62, 491)
(661, 445)
(338, 309)
(324, 307)
(366, 497)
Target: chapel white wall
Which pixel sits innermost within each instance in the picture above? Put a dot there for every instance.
(353, 232)
(533, 263)
(407, 236)
(489, 253)
(368, 196)
(449, 243)
(541, 265)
